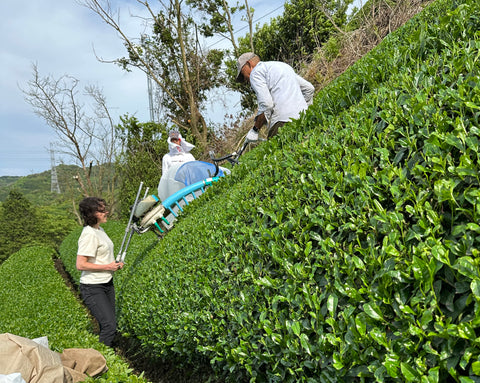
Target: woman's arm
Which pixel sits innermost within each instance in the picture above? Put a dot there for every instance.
(84, 265)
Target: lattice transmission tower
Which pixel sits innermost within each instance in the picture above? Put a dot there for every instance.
(55, 187)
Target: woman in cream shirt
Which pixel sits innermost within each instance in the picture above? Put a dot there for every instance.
(96, 261)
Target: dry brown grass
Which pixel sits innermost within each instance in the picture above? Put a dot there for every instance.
(377, 21)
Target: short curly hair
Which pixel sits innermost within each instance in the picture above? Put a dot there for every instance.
(88, 207)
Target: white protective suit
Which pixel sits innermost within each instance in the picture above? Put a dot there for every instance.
(176, 157)
(177, 154)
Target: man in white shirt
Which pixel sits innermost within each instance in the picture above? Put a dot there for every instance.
(281, 93)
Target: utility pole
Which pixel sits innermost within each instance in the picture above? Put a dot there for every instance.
(150, 97)
(55, 187)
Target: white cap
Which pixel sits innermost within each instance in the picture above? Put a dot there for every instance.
(242, 60)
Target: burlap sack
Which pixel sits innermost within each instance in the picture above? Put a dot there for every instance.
(36, 363)
(79, 362)
(39, 364)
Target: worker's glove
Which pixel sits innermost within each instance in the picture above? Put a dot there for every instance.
(252, 135)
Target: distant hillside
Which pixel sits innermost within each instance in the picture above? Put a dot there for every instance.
(6, 181)
(36, 187)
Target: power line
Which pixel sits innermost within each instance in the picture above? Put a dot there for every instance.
(25, 157)
(245, 27)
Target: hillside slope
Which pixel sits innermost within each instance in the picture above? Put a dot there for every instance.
(345, 249)
(36, 187)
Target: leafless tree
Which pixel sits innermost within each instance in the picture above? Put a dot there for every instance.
(89, 138)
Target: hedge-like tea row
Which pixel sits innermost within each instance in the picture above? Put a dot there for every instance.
(35, 302)
(345, 249)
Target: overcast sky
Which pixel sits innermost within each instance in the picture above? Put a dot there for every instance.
(60, 37)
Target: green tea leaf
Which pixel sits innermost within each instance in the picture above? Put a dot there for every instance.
(410, 374)
(305, 342)
(332, 304)
(296, 328)
(373, 311)
(466, 266)
(466, 331)
(471, 105)
(475, 287)
(440, 254)
(444, 190)
(361, 324)
(476, 368)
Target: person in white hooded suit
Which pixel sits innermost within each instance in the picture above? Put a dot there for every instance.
(179, 151)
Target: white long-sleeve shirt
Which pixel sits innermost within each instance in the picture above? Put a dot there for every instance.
(281, 93)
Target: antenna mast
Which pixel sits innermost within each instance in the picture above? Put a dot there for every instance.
(55, 187)
(150, 97)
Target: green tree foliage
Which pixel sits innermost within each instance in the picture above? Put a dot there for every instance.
(55, 222)
(8, 180)
(186, 76)
(143, 147)
(35, 187)
(19, 223)
(304, 26)
(187, 73)
(217, 18)
(170, 54)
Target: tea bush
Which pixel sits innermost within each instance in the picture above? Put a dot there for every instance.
(35, 302)
(345, 249)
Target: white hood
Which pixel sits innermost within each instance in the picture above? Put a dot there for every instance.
(184, 146)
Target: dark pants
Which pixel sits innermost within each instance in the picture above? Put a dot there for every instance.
(274, 129)
(100, 300)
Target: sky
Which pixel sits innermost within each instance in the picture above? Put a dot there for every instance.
(62, 37)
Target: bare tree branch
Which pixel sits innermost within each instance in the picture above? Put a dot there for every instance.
(82, 136)
(250, 25)
(108, 16)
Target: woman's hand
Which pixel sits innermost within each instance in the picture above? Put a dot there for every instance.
(114, 266)
(119, 265)
(84, 265)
